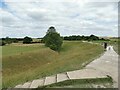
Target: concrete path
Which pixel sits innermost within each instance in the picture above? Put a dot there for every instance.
(107, 64)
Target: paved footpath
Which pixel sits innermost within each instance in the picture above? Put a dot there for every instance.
(107, 64)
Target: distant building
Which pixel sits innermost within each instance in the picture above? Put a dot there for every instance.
(51, 30)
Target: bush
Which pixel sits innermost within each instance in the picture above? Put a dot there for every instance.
(14, 40)
(53, 41)
(93, 37)
(53, 47)
(2, 43)
(8, 40)
(27, 40)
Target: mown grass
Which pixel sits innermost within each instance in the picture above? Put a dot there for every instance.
(22, 67)
(19, 49)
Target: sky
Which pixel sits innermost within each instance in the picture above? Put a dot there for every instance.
(20, 18)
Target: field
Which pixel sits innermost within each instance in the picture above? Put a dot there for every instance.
(23, 63)
(15, 49)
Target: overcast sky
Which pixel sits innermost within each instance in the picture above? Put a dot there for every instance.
(73, 17)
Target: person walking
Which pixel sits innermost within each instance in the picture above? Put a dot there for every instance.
(105, 45)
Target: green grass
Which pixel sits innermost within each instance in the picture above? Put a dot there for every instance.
(19, 49)
(83, 83)
(40, 62)
(115, 43)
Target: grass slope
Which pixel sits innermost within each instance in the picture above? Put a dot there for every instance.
(115, 43)
(19, 48)
(22, 67)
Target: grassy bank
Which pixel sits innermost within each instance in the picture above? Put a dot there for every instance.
(40, 61)
(14, 49)
(115, 43)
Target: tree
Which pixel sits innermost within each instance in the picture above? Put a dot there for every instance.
(51, 30)
(14, 40)
(93, 37)
(53, 40)
(8, 40)
(27, 40)
(2, 43)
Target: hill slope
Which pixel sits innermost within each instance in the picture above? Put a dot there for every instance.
(41, 62)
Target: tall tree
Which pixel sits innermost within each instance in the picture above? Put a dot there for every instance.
(53, 40)
(8, 40)
(27, 40)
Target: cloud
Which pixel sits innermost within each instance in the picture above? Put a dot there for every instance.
(33, 18)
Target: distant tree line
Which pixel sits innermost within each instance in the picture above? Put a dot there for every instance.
(55, 35)
(7, 40)
(78, 37)
(25, 40)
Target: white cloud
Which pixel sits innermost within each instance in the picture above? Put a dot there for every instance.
(34, 18)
